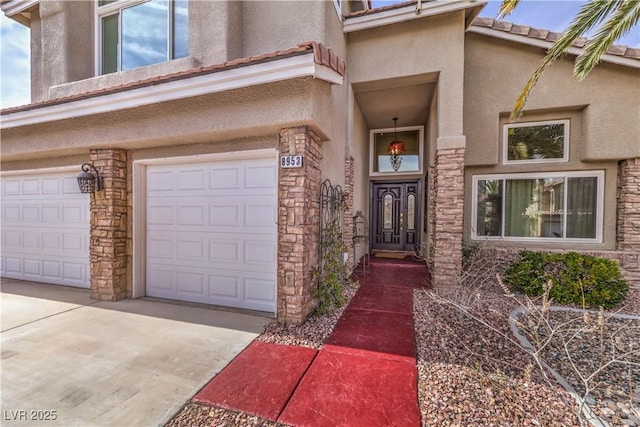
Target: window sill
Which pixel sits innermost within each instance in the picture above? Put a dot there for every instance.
(122, 77)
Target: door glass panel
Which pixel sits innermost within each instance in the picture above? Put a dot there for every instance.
(411, 212)
(388, 211)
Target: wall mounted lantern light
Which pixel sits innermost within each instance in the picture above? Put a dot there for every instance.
(396, 148)
(89, 182)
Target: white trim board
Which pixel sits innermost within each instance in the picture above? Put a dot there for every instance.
(408, 13)
(251, 75)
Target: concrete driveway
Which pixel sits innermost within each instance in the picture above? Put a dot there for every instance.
(68, 360)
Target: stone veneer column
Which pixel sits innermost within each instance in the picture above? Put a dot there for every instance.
(448, 208)
(109, 239)
(628, 222)
(298, 220)
(347, 237)
(628, 230)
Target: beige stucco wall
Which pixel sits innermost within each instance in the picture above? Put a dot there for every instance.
(495, 73)
(242, 113)
(273, 25)
(423, 46)
(577, 122)
(61, 45)
(63, 63)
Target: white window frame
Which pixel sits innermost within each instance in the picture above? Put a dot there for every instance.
(505, 141)
(338, 5)
(111, 9)
(598, 174)
(372, 142)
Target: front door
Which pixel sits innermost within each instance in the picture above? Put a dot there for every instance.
(395, 216)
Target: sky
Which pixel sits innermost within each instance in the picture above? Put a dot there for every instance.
(14, 40)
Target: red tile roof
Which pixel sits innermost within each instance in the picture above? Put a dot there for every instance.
(322, 56)
(550, 36)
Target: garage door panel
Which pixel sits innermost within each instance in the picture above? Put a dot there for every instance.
(10, 187)
(45, 229)
(224, 251)
(261, 177)
(32, 268)
(160, 248)
(32, 241)
(224, 287)
(261, 254)
(191, 250)
(160, 215)
(224, 178)
(13, 266)
(192, 214)
(224, 215)
(31, 186)
(214, 226)
(161, 280)
(259, 215)
(248, 251)
(259, 291)
(192, 179)
(190, 283)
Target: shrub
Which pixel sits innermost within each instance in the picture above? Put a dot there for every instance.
(576, 278)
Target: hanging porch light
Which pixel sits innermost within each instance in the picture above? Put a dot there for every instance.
(396, 148)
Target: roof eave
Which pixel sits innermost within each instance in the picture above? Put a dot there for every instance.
(410, 12)
(545, 44)
(298, 66)
(19, 10)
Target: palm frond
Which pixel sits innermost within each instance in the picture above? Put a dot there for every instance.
(507, 7)
(589, 16)
(619, 23)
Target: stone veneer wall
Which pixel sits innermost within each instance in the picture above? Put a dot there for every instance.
(628, 221)
(298, 216)
(347, 236)
(110, 240)
(431, 217)
(448, 209)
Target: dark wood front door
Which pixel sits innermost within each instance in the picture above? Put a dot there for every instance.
(395, 216)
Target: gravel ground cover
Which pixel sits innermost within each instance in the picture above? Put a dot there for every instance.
(471, 369)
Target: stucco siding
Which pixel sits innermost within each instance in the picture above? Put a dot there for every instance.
(430, 45)
(247, 112)
(497, 70)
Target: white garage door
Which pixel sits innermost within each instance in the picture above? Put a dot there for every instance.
(45, 229)
(211, 232)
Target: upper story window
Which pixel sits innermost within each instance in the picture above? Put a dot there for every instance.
(536, 142)
(135, 33)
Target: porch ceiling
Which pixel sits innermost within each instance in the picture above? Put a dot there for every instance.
(380, 103)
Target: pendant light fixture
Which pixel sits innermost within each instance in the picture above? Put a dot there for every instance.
(396, 148)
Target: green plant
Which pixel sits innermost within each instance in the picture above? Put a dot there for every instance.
(331, 277)
(576, 278)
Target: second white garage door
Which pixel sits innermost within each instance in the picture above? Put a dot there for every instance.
(211, 232)
(45, 228)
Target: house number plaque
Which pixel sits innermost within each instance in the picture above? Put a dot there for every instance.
(291, 161)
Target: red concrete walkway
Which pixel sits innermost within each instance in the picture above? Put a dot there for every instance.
(364, 375)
